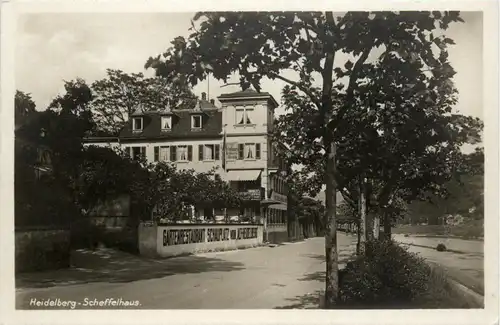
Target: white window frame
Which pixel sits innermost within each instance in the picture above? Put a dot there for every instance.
(193, 117)
(167, 154)
(169, 120)
(134, 124)
(245, 111)
(205, 158)
(245, 151)
(178, 153)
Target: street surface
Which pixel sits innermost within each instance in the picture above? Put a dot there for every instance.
(465, 263)
(287, 276)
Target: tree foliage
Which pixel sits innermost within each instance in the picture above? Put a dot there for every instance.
(121, 94)
(24, 107)
(56, 136)
(258, 45)
(173, 189)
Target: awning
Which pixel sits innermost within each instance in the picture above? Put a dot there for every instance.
(268, 202)
(281, 207)
(243, 175)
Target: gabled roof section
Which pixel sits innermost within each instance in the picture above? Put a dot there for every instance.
(247, 93)
(181, 126)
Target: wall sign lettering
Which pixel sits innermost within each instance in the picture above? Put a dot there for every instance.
(183, 236)
(173, 237)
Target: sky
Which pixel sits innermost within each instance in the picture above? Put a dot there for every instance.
(53, 47)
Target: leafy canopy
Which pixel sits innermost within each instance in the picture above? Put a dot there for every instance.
(121, 94)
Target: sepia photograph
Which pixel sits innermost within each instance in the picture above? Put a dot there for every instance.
(281, 160)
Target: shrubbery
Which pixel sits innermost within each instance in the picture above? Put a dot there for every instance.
(440, 247)
(387, 276)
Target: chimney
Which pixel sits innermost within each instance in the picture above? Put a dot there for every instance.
(203, 96)
(212, 101)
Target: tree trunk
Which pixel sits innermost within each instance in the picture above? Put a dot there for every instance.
(376, 226)
(363, 225)
(332, 285)
(387, 226)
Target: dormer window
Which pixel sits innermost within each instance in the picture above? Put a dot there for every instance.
(196, 122)
(137, 124)
(166, 123)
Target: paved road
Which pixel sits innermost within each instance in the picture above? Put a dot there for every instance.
(465, 264)
(286, 276)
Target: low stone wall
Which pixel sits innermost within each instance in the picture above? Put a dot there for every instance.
(181, 239)
(41, 249)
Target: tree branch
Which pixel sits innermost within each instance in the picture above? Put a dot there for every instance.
(311, 95)
(350, 88)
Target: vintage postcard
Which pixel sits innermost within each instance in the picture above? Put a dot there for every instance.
(210, 162)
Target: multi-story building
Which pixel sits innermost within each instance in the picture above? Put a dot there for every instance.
(234, 138)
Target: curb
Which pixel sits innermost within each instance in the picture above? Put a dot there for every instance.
(474, 299)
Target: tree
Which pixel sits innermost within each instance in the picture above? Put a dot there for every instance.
(463, 194)
(106, 173)
(264, 45)
(60, 130)
(24, 107)
(312, 211)
(171, 189)
(120, 94)
(56, 133)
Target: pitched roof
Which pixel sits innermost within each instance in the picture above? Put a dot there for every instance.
(246, 94)
(181, 125)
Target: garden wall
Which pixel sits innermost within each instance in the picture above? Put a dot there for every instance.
(166, 240)
(39, 249)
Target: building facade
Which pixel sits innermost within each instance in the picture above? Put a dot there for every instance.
(234, 139)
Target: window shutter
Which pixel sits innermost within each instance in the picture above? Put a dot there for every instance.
(200, 152)
(217, 152)
(241, 148)
(173, 156)
(257, 151)
(157, 153)
(190, 153)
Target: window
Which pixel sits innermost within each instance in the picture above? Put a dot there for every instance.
(196, 122)
(249, 151)
(184, 153)
(137, 124)
(208, 152)
(137, 152)
(164, 151)
(166, 123)
(244, 116)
